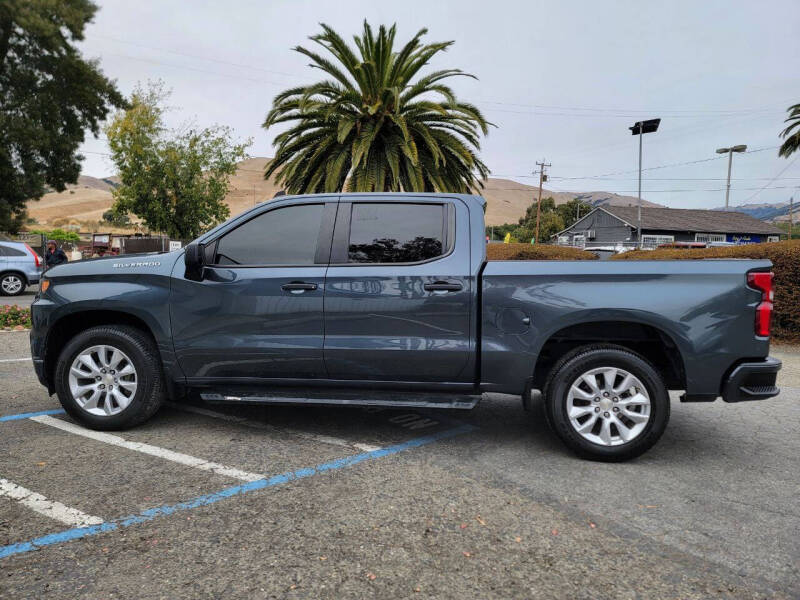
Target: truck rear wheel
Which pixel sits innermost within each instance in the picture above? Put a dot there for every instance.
(109, 377)
(606, 403)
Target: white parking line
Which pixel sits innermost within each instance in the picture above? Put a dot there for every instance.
(15, 359)
(48, 508)
(177, 457)
(325, 439)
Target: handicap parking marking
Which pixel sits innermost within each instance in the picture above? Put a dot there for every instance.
(43, 506)
(325, 439)
(21, 416)
(171, 455)
(238, 490)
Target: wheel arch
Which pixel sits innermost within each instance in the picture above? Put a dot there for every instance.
(70, 324)
(649, 341)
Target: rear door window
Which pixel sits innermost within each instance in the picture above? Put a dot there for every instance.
(389, 232)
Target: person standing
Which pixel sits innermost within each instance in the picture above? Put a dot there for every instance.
(54, 255)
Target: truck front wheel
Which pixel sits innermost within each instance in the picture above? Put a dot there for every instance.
(606, 403)
(109, 377)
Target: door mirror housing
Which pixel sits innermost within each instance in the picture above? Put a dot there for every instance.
(195, 260)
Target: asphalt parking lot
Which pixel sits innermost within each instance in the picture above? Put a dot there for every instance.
(24, 299)
(210, 502)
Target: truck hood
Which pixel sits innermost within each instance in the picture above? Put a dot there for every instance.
(127, 264)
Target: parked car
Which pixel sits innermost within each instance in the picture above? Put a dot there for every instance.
(388, 300)
(20, 267)
(688, 245)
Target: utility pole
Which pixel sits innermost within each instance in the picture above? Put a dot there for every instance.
(542, 178)
(791, 209)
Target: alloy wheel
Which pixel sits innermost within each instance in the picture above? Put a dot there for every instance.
(608, 406)
(11, 284)
(102, 380)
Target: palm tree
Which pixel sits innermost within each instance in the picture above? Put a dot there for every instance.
(371, 127)
(792, 142)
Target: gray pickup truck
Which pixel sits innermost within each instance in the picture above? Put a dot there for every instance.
(388, 299)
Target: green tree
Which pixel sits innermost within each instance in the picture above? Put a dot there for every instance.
(175, 182)
(49, 96)
(116, 219)
(572, 211)
(792, 140)
(552, 219)
(374, 124)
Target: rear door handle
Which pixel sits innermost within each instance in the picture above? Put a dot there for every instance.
(442, 286)
(298, 287)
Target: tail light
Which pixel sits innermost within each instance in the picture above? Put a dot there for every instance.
(35, 256)
(763, 283)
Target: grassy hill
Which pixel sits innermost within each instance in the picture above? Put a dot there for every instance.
(84, 203)
(775, 212)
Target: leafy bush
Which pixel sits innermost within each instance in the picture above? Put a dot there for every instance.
(14, 316)
(535, 252)
(785, 257)
(59, 235)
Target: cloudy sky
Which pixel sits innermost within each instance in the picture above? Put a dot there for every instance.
(561, 80)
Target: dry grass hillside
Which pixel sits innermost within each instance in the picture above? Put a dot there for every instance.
(84, 203)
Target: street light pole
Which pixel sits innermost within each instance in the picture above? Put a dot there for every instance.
(640, 128)
(730, 151)
(639, 195)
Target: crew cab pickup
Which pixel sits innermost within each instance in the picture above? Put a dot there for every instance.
(388, 299)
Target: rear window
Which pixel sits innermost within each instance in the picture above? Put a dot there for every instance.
(9, 251)
(395, 232)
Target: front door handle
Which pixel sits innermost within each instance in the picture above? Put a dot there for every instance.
(298, 287)
(442, 286)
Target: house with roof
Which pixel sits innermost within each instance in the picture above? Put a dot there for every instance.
(615, 225)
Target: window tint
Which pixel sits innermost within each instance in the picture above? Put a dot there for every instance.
(395, 233)
(2, 250)
(9, 251)
(284, 236)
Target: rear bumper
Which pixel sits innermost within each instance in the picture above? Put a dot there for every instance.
(752, 381)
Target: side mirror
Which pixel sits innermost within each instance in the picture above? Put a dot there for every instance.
(195, 259)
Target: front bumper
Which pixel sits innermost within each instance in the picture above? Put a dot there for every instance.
(752, 381)
(38, 366)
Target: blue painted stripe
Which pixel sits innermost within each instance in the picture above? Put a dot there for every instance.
(55, 411)
(237, 490)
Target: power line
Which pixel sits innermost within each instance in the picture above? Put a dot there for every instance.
(665, 166)
(619, 112)
(214, 60)
(633, 110)
(782, 171)
(158, 62)
(545, 113)
(686, 190)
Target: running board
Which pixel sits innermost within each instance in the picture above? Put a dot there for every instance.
(388, 399)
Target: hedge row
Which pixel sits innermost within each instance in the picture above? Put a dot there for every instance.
(785, 257)
(14, 317)
(535, 252)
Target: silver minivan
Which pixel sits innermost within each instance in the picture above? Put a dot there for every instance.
(20, 267)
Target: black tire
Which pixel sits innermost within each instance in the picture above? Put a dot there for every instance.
(7, 278)
(150, 390)
(583, 359)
